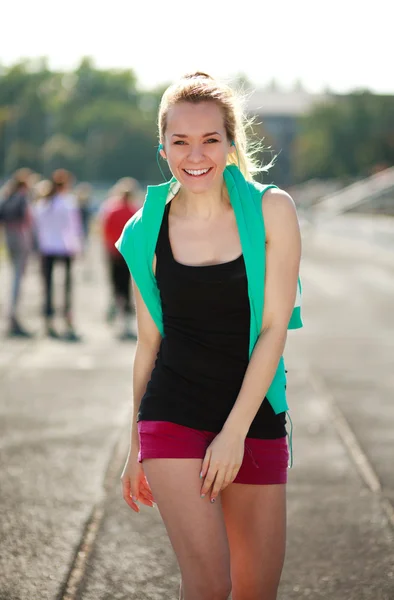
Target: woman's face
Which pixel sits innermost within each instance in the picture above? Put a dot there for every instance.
(196, 145)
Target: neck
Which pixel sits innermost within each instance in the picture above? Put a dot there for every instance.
(203, 206)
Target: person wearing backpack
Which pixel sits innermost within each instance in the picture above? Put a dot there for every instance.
(16, 219)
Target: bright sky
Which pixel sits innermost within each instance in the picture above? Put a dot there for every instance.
(343, 44)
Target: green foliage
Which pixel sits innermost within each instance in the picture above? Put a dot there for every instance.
(94, 122)
(346, 137)
(101, 126)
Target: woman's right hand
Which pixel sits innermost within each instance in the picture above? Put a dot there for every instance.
(135, 485)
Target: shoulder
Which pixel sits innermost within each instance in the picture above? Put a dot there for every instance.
(279, 212)
(275, 198)
(270, 197)
(277, 203)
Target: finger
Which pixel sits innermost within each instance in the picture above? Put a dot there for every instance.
(205, 463)
(208, 481)
(130, 491)
(147, 496)
(126, 487)
(129, 499)
(132, 504)
(227, 479)
(145, 486)
(235, 473)
(146, 493)
(217, 486)
(147, 501)
(231, 475)
(144, 480)
(146, 490)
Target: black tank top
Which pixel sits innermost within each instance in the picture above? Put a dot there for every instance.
(203, 357)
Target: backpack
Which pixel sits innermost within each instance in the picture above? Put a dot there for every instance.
(13, 208)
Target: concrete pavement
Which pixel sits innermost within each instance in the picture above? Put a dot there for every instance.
(65, 531)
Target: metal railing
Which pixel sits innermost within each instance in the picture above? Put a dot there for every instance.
(353, 195)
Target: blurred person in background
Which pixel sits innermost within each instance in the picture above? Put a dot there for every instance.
(85, 204)
(34, 182)
(84, 196)
(16, 218)
(60, 239)
(115, 212)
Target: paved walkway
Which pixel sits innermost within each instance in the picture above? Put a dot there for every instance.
(66, 533)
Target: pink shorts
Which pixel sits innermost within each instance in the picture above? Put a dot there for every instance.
(265, 461)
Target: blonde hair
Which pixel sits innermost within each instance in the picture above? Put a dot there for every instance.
(200, 87)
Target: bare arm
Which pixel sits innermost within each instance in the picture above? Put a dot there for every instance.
(134, 483)
(224, 456)
(147, 347)
(283, 253)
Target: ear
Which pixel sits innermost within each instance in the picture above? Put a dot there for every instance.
(162, 152)
(231, 149)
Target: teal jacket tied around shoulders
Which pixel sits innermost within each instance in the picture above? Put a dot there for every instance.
(138, 241)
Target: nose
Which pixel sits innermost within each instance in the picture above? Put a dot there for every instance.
(196, 153)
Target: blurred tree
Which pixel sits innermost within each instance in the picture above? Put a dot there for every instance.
(100, 125)
(346, 137)
(23, 101)
(21, 154)
(61, 151)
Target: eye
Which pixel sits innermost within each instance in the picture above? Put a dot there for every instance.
(212, 141)
(179, 143)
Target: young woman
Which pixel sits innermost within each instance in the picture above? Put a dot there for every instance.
(214, 304)
(59, 239)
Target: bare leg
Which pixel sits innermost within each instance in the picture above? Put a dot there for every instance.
(255, 517)
(195, 527)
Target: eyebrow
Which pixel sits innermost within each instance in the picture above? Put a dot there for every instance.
(182, 135)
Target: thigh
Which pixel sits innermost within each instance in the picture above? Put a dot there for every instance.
(195, 526)
(255, 517)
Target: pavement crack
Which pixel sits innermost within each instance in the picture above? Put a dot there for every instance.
(85, 547)
(73, 584)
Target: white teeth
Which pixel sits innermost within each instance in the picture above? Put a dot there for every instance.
(201, 172)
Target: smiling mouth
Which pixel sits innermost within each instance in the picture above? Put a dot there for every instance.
(196, 173)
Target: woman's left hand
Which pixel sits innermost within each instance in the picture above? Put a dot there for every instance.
(222, 462)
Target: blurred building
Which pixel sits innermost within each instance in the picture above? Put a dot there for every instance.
(279, 110)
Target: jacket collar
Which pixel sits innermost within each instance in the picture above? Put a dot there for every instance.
(163, 193)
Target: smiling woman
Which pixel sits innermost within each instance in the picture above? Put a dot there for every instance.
(195, 156)
(191, 95)
(214, 258)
